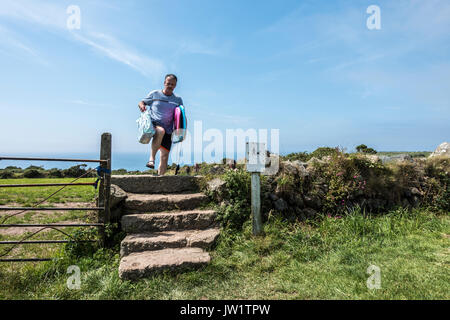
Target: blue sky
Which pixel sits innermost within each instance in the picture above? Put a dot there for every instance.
(309, 68)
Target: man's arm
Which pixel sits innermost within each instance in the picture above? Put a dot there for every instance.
(141, 106)
(146, 101)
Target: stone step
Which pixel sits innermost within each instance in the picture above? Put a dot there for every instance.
(142, 264)
(136, 202)
(156, 184)
(169, 221)
(139, 242)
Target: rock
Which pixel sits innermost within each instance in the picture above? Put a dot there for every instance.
(313, 202)
(168, 221)
(280, 205)
(272, 164)
(116, 214)
(288, 167)
(216, 187)
(217, 169)
(156, 184)
(407, 193)
(405, 203)
(373, 158)
(139, 242)
(273, 197)
(301, 168)
(117, 195)
(309, 213)
(142, 264)
(415, 192)
(228, 161)
(314, 160)
(399, 157)
(137, 202)
(442, 150)
(215, 184)
(415, 201)
(298, 201)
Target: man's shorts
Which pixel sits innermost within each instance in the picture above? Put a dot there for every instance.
(166, 142)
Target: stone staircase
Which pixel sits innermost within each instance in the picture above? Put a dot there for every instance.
(165, 229)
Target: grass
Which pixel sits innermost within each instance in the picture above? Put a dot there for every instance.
(30, 195)
(322, 259)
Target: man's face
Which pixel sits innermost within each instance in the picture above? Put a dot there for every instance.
(169, 85)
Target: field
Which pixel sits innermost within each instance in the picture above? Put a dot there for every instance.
(327, 258)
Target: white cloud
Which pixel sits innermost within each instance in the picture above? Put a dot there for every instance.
(54, 17)
(42, 13)
(12, 45)
(114, 49)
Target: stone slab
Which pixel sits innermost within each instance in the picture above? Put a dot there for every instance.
(136, 203)
(167, 221)
(143, 264)
(168, 239)
(156, 184)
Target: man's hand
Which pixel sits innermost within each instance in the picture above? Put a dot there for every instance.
(141, 106)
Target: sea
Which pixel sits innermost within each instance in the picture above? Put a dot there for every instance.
(131, 161)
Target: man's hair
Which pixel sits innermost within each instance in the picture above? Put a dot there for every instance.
(171, 76)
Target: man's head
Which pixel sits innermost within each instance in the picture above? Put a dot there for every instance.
(170, 82)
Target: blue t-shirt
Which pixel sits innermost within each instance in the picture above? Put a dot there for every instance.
(162, 108)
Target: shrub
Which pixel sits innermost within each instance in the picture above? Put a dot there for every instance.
(13, 168)
(119, 171)
(237, 199)
(437, 193)
(55, 173)
(33, 173)
(34, 167)
(302, 156)
(362, 148)
(324, 151)
(6, 174)
(370, 151)
(75, 171)
(80, 244)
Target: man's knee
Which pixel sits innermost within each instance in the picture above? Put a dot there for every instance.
(160, 131)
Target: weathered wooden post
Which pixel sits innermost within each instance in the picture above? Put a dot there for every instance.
(255, 156)
(105, 184)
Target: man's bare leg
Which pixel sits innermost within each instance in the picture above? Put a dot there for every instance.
(156, 142)
(164, 160)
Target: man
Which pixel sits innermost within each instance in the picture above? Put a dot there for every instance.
(162, 104)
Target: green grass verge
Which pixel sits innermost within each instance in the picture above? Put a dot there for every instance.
(29, 196)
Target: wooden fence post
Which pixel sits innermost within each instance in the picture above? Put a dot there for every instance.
(105, 184)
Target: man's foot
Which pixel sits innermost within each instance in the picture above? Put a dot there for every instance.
(151, 164)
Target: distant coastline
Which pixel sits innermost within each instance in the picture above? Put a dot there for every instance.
(120, 160)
